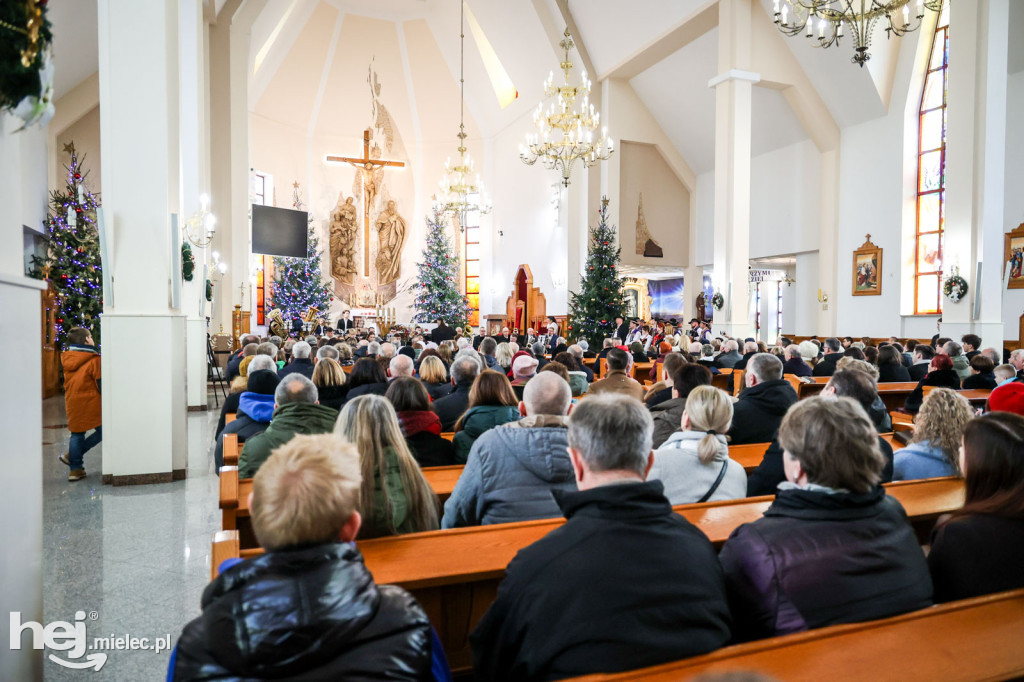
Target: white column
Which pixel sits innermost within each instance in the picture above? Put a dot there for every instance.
(23, 196)
(975, 164)
(733, 95)
(827, 264)
(576, 208)
(144, 430)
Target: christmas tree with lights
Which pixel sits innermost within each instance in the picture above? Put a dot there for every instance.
(72, 262)
(593, 309)
(299, 282)
(437, 289)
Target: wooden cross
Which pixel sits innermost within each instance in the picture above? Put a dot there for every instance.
(368, 166)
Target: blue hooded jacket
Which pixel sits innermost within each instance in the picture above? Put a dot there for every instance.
(259, 407)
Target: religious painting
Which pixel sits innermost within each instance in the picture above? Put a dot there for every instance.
(867, 270)
(667, 298)
(1014, 258)
(645, 244)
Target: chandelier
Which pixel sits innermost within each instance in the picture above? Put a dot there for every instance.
(565, 132)
(461, 191)
(822, 21)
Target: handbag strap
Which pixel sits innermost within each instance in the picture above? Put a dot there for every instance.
(714, 486)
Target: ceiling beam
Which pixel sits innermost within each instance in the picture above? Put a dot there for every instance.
(699, 22)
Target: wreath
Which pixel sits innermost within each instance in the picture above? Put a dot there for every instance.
(26, 67)
(188, 262)
(718, 301)
(955, 287)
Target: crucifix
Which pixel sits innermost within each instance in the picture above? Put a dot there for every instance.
(367, 166)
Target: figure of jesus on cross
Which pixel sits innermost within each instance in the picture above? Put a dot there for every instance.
(368, 166)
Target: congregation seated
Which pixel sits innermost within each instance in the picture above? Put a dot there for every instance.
(400, 366)
(524, 368)
(750, 349)
(922, 359)
(832, 352)
(668, 415)
(832, 547)
(762, 404)
(238, 386)
(980, 549)
(331, 382)
(729, 356)
(394, 497)
(982, 373)
(961, 365)
(577, 378)
(576, 350)
(624, 583)
(463, 373)
(420, 425)
(296, 410)
(606, 346)
(503, 356)
(661, 392)
(663, 350)
(794, 363)
(693, 464)
(934, 449)
(890, 365)
(300, 363)
(940, 374)
(434, 377)
(512, 468)
(878, 413)
(492, 402)
(636, 349)
(585, 347)
(366, 378)
(617, 379)
(249, 343)
(253, 623)
(255, 406)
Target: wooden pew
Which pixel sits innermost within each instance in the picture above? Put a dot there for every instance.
(231, 449)
(448, 435)
(642, 370)
(978, 397)
(737, 381)
(722, 381)
(455, 573)
(230, 417)
(973, 639)
(894, 394)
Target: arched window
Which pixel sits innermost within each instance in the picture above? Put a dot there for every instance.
(931, 175)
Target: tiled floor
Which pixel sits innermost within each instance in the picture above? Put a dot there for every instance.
(136, 557)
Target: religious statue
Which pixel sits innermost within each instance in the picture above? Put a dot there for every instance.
(701, 307)
(645, 244)
(390, 238)
(343, 239)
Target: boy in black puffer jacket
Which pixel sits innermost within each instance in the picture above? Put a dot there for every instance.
(308, 608)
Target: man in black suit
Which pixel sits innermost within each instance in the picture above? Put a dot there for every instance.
(442, 332)
(833, 350)
(481, 334)
(621, 329)
(344, 324)
(922, 361)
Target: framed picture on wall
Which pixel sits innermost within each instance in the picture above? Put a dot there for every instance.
(867, 270)
(1014, 258)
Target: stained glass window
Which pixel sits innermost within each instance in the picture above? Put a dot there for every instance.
(931, 174)
(472, 261)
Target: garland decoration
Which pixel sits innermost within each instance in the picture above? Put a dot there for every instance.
(209, 290)
(955, 287)
(188, 262)
(26, 66)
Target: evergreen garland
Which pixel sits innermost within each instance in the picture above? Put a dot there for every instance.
(73, 255)
(437, 288)
(299, 282)
(593, 309)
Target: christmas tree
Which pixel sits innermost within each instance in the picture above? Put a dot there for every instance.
(298, 282)
(592, 311)
(438, 294)
(72, 261)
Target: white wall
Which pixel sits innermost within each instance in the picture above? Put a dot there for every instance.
(1013, 300)
(23, 196)
(666, 206)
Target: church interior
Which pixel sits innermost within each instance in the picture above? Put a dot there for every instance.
(186, 178)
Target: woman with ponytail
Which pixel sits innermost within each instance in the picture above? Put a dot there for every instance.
(693, 464)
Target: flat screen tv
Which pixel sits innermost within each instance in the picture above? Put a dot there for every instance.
(278, 231)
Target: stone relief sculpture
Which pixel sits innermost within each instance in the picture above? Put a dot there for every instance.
(343, 239)
(645, 244)
(390, 239)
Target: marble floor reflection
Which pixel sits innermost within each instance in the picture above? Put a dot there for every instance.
(136, 558)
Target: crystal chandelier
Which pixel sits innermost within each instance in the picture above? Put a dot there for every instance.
(565, 132)
(822, 21)
(461, 190)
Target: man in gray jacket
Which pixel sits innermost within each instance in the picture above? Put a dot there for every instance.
(513, 468)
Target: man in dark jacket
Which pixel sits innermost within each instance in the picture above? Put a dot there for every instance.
(845, 383)
(296, 411)
(833, 547)
(794, 364)
(577, 351)
(833, 353)
(249, 345)
(668, 416)
(763, 403)
(729, 356)
(513, 468)
(300, 364)
(923, 355)
(255, 408)
(621, 329)
(749, 351)
(442, 332)
(308, 608)
(625, 583)
(463, 373)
